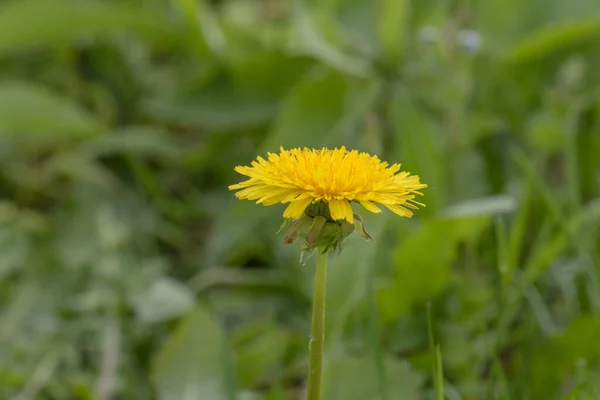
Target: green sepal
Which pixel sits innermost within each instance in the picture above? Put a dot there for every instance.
(315, 230)
(305, 255)
(360, 227)
(284, 225)
(314, 233)
(296, 229)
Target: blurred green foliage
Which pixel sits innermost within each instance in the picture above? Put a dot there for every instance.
(128, 271)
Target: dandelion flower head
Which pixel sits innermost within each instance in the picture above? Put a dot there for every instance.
(301, 177)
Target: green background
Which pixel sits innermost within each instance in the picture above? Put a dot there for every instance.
(129, 271)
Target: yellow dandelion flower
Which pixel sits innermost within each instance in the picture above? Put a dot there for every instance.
(337, 177)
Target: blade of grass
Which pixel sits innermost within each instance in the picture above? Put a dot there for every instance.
(571, 157)
(504, 269)
(569, 226)
(439, 381)
(40, 377)
(436, 357)
(528, 169)
(499, 385)
(519, 227)
(374, 336)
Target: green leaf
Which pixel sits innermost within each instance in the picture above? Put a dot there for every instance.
(486, 206)
(348, 275)
(311, 112)
(423, 263)
(14, 247)
(190, 365)
(208, 33)
(307, 40)
(164, 300)
(416, 146)
(262, 356)
(557, 358)
(552, 39)
(134, 140)
(238, 220)
(79, 167)
(496, 20)
(220, 109)
(393, 26)
(349, 377)
(36, 118)
(27, 24)
(267, 73)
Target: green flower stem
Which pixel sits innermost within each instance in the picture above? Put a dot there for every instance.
(317, 332)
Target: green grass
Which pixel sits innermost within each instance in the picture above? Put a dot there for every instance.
(129, 271)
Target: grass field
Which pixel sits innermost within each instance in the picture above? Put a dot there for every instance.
(129, 271)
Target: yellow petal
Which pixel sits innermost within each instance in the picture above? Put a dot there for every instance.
(337, 177)
(296, 208)
(295, 196)
(242, 170)
(337, 209)
(274, 197)
(254, 192)
(399, 210)
(370, 206)
(349, 212)
(242, 185)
